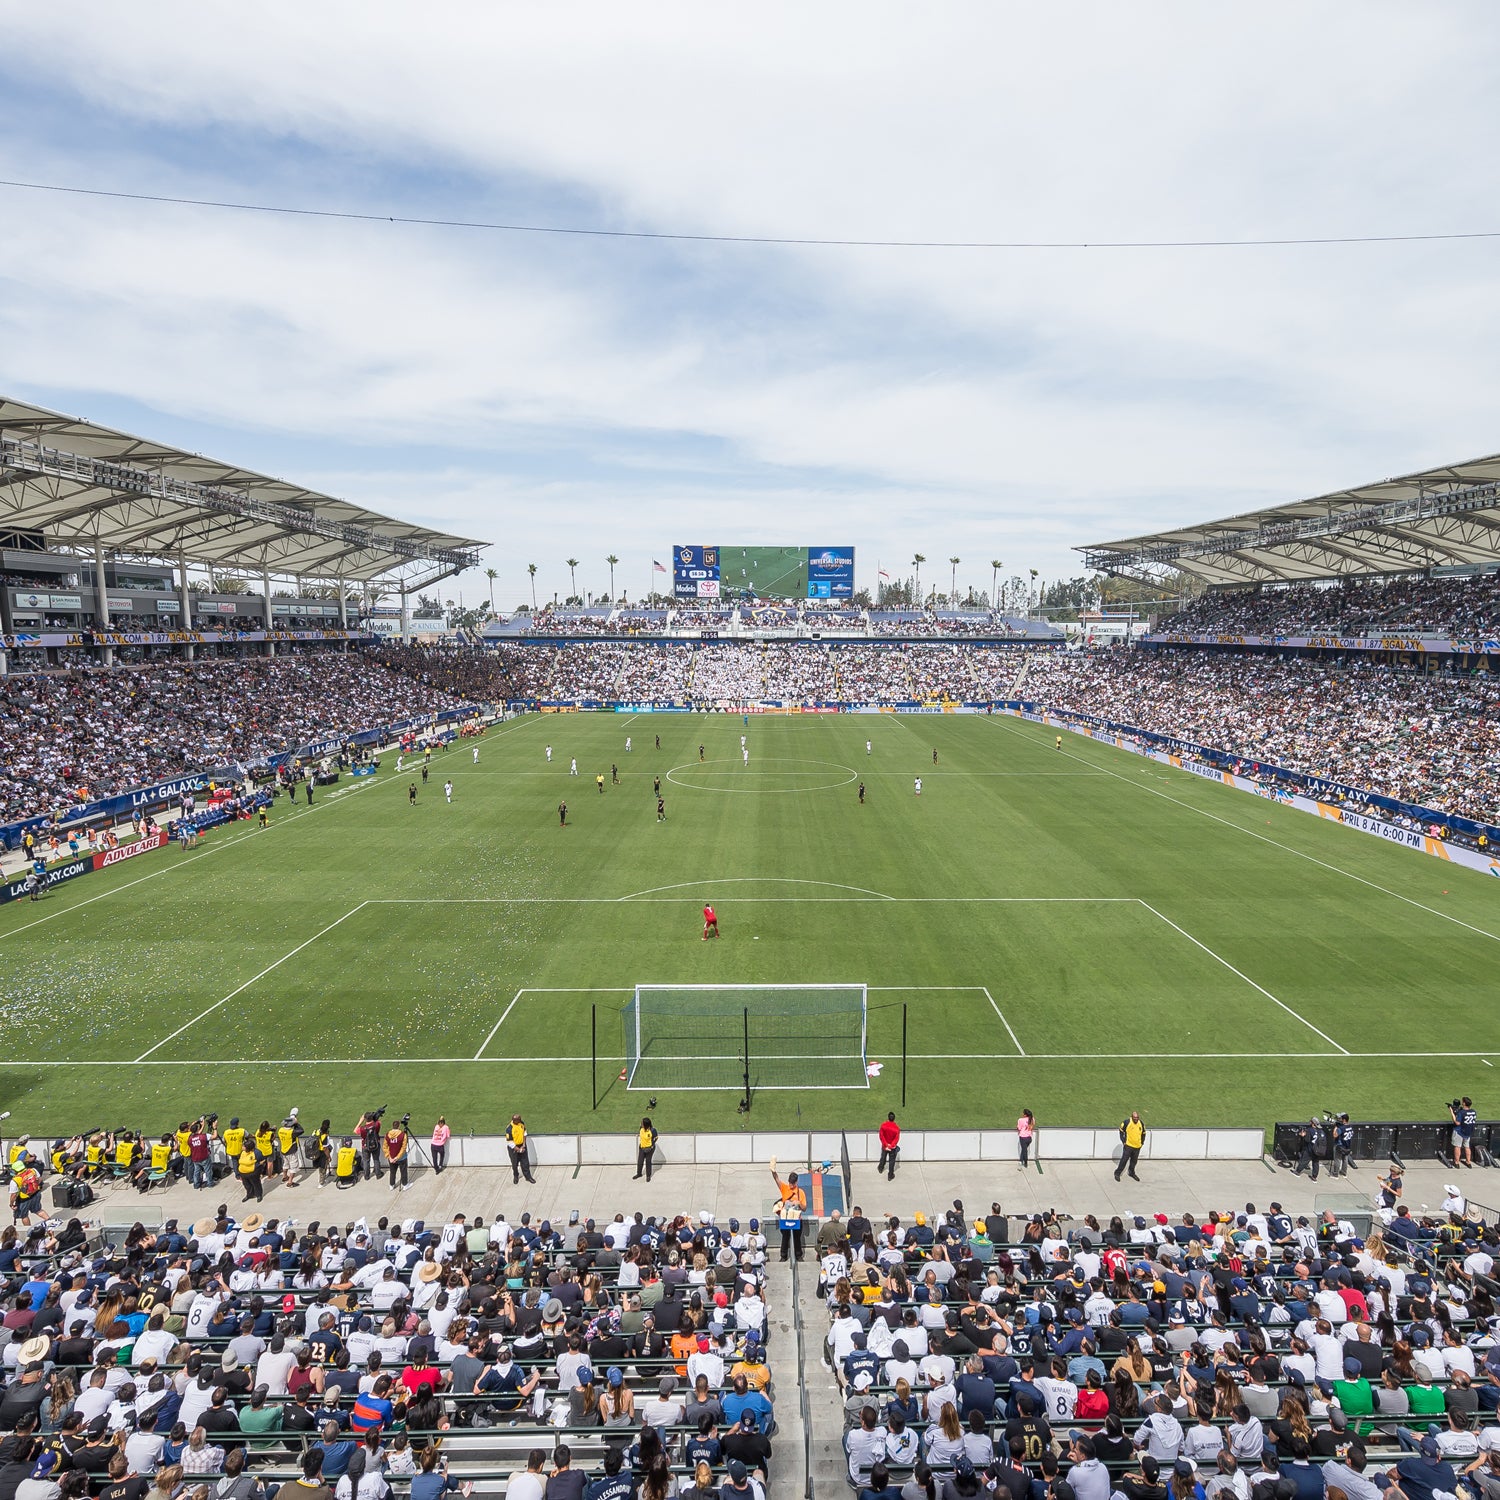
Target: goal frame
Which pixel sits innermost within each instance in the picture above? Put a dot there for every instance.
(743, 1054)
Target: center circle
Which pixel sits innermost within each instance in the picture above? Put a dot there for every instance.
(766, 775)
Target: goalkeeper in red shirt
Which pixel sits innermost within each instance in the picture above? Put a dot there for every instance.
(710, 923)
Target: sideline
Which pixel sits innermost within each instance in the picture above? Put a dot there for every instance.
(1494, 937)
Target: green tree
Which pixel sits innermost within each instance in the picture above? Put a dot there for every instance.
(611, 560)
(572, 578)
(531, 569)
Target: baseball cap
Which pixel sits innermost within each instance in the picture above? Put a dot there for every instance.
(1352, 1367)
(736, 1471)
(615, 1375)
(1430, 1449)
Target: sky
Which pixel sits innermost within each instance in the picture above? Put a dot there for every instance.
(574, 396)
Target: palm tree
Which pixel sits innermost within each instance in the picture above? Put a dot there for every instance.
(611, 560)
(916, 594)
(492, 575)
(573, 577)
(995, 566)
(953, 579)
(531, 568)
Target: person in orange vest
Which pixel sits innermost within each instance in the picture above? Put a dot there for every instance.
(791, 1206)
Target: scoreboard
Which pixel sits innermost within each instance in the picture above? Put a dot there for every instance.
(695, 572)
(762, 572)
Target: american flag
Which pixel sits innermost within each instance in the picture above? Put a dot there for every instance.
(657, 566)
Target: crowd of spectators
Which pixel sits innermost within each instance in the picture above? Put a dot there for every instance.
(75, 736)
(571, 620)
(1428, 739)
(223, 1357)
(1220, 1354)
(1457, 607)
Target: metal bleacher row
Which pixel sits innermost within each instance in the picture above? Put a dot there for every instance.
(1250, 1339)
(503, 1434)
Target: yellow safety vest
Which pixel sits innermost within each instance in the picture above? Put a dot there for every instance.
(346, 1159)
(160, 1156)
(234, 1140)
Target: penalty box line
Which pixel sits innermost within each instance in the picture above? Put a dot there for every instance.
(1239, 974)
(254, 979)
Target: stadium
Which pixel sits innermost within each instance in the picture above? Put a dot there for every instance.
(786, 1022)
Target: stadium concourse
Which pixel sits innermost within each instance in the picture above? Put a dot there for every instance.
(282, 1317)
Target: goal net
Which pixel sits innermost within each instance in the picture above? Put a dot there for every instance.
(709, 1036)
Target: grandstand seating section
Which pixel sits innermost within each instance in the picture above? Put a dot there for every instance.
(1259, 1336)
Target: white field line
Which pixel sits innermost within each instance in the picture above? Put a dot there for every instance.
(1494, 937)
(638, 899)
(246, 985)
(1219, 958)
(498, 1024)
(1030, 1057)
(1006, 1024)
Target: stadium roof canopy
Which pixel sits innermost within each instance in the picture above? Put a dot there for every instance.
(80, 485)
(1440, 518)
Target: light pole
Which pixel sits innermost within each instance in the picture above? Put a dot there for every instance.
(953, 581)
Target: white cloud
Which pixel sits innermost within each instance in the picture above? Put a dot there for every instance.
(960, 401)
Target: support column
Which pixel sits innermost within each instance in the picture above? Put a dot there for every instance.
(184, 603)
(101, 604)
(265, 588)
(343, 616)
(405, 616)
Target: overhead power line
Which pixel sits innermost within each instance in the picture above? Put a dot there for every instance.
(683, 237)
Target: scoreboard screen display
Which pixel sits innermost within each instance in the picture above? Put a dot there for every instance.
(830, 572)
(695, 572)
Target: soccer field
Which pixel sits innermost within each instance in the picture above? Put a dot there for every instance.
(1079, 931)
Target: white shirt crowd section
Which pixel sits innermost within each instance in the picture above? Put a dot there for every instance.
(77, 736)
(1444, 606)
(1431, 740)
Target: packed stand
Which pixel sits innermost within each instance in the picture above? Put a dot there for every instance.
(872, 674)
(798, 673)
(76, 736)
(657, 674)
(1222, 1354)
(1361, 606)
(218, 1357)
(1429, 740)
(571, 621)
(728, 672)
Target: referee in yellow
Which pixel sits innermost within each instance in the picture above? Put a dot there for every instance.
(1132, 1138)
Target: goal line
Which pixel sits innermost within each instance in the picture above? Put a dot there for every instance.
(746, 1036)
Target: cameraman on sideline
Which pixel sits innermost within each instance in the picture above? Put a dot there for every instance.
(397, 1149)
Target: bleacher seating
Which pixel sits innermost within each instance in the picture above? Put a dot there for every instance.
(490, 1339)
(1245, 1333)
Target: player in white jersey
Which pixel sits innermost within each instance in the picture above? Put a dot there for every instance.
(448, 791)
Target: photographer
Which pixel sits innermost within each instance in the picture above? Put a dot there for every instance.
(1343, 1146)
(367, 1132)
(397, 1149)
(1312, 1147)
(1465, 1117)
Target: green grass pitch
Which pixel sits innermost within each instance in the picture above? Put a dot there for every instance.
(1079, 931)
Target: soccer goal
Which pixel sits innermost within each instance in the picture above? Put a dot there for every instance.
(771, 1036)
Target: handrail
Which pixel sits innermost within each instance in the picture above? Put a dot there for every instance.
(807, 1459)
